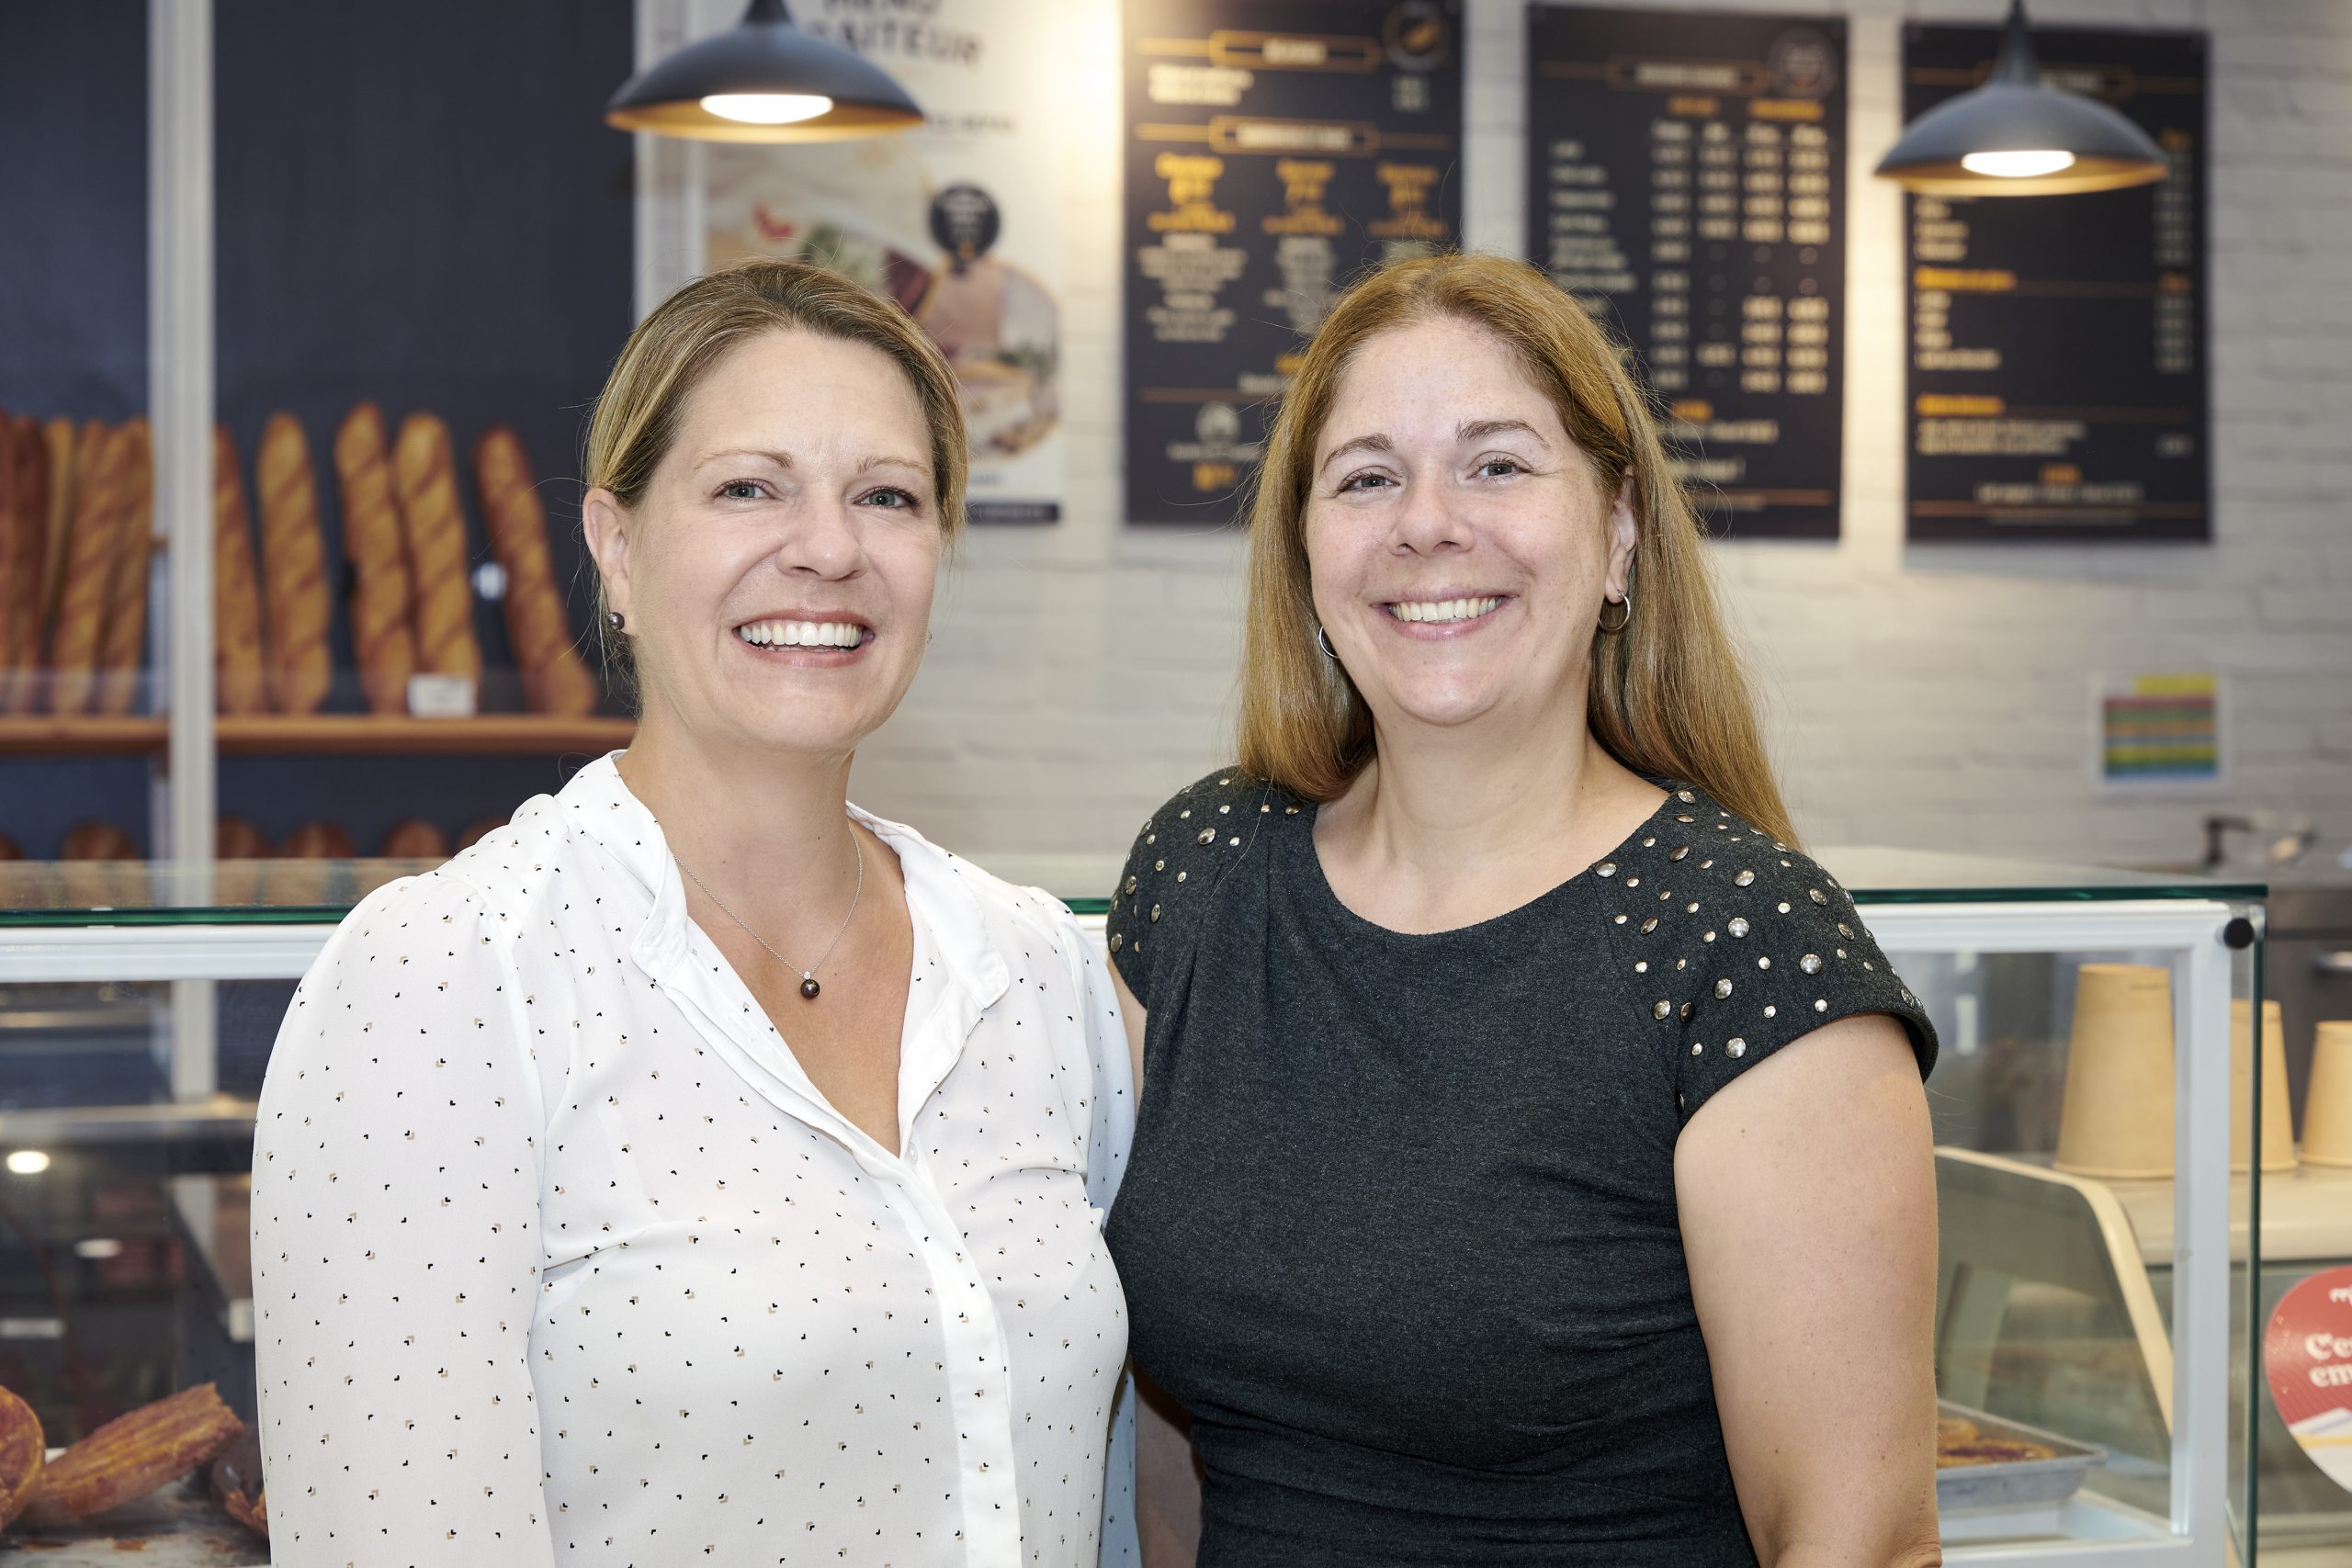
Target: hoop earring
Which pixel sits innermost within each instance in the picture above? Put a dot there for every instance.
(1627, 602)
(612, 619)
(1323, 641)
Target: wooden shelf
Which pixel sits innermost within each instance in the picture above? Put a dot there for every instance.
(351, 734)
(323, 735)
(43, 736)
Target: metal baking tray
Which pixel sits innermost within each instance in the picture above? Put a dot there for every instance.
(2021, 1483)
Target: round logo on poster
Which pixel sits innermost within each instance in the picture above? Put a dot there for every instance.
(2307, 1357)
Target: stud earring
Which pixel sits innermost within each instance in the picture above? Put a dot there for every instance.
(612, 619)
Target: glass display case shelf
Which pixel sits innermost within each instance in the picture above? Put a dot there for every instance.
(321, 735)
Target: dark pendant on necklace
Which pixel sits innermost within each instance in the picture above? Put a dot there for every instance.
(809, 987)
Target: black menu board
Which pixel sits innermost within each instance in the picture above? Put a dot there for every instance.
(1687, 183)
(1273, 148)
(2057, 380)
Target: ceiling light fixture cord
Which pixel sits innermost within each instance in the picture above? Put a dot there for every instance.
(808, 987)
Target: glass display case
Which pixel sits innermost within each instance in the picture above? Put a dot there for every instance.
(2096, 1331)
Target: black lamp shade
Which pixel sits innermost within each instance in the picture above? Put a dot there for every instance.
(2016, 111)
(762, 55)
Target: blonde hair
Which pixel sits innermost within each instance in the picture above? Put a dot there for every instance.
(1667, 696)
(637, 414)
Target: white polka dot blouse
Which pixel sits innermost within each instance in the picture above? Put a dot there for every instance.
(560, 1258)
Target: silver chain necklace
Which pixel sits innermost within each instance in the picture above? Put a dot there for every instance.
(808, 987)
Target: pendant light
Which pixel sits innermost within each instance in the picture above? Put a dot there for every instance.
(2015, 135)
(763, 80)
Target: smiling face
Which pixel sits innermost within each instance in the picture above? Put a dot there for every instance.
(776, 575)
(1458, 542)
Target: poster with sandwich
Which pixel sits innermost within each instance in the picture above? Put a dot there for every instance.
(959, 221)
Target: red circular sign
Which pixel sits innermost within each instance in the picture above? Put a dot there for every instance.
(2307, 1354)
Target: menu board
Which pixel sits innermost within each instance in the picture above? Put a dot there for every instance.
(1275, 147)
(1687, 184)
(2057, 380)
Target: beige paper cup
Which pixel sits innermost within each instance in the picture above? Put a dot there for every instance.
(2277, 1116)
(2117, 1119)
(2327, 1104)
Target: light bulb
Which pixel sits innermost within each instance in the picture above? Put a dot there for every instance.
(769, 108)
(28, 1162)
(2021, 166)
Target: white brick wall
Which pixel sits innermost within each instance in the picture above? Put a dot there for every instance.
(1929, 697)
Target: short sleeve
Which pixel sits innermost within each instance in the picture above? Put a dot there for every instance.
(1172, 872)
(1732, 945)
(396, 1247)
(1790, 954)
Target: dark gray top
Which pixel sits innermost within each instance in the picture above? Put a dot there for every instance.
(1399, 1226)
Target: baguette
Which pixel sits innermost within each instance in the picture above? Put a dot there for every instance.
(88, 583)
(96, 875)
(294, 573)
(316, 840)
(555, 680)
(424, 479)
(25, 611)
(59, 438)
(414, 840)
(381, 634)
(118, 659)
(239, 673)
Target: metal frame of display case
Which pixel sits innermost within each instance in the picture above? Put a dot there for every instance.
(2194, 932)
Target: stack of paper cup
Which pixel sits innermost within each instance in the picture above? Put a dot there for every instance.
(2278, 1117)
(2327, 1104)
(2117, 1119)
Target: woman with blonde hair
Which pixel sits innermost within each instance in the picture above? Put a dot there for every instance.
(701, 1168)
(1533, 1166)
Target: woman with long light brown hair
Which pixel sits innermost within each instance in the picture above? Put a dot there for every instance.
(1533, 1164)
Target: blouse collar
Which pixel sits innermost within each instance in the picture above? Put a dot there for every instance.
(939, 893)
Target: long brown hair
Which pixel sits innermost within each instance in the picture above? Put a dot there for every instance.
(1667, 698)
(671, 351)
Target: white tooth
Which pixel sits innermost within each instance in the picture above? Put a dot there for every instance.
(802, 632)
(1457, 609)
